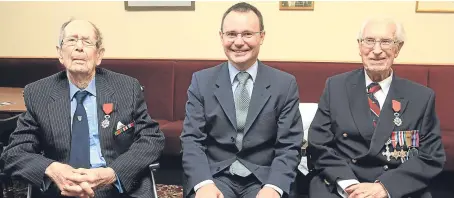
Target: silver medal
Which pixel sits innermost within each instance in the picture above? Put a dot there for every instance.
(105, 123)
(397, 121)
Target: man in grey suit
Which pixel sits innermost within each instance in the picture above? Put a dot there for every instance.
(90, 124)
(243, 132)
(375, 134)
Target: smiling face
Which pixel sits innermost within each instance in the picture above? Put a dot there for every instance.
(379, 47)
(79, 52)
(242, 50)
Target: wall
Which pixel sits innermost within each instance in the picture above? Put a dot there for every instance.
(30, 29)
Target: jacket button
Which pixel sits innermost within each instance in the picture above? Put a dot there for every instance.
(345, 135)
(232, 138)
(385, 167)
(218, 168)
(354, 161)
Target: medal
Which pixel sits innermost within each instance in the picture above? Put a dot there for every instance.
(107, 108)
(395, 153)
(386, 153)
(396, 108)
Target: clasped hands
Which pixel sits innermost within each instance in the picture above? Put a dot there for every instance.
(367, 190)
(79, 182)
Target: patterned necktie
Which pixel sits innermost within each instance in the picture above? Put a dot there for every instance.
(242, 100)
(80, 153)
(373, 102)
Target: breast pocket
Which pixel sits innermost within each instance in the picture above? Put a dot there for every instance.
(124, 137)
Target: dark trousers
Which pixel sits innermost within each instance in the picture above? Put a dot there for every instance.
(233, 186)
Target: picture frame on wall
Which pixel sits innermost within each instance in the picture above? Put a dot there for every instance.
(296, 5)
(160, 5)
(435, 6)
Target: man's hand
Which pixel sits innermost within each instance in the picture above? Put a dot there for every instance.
(60, 173)
(92, 178)
(367, 190)
(208, 191)
(268, 192)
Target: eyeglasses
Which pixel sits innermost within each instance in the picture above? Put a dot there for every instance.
(72, 41)
(244, 35)
(384, 43)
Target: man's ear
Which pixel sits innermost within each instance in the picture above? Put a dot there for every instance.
(399, 47)
(262, 37)
(100, 56)
(59, 54)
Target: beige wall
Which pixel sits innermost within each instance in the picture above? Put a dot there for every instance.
(30, 29)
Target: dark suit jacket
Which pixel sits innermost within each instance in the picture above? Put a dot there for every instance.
(46, 128)
(344, 145)
(273, 131)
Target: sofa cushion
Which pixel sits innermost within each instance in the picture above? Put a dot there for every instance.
(157, 78)
(172, 132)
(448, 143)
(441, 80)
(310, 77)
(183, 76)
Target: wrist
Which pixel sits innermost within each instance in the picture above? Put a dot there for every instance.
(383, 186)
(49, 169)
(111, 174)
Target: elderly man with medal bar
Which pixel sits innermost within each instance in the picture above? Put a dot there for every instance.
(375, 134)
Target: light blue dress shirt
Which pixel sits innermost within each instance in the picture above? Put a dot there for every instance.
(90, 104)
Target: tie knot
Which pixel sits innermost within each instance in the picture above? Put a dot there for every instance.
(80, 96)
(242, 77)
(373, 87)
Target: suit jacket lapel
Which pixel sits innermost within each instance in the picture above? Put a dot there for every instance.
(260, 95)
(224, 94)
(59, 113)
(386, 124)
(359, 106)
(104, 94)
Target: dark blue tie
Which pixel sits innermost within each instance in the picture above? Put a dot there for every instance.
(80, 143)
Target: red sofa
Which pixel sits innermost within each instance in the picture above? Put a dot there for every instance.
(166, 83)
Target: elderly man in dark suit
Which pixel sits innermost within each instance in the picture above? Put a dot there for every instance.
(243, 132)
(90, 124)
(375, 134)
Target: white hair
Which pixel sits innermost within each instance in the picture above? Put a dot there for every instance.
(400, 31)
(99, 41)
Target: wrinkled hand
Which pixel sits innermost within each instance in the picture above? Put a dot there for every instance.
(268, 192)
(208, 191)
(60, 173)
(367, 190)
(90, 179)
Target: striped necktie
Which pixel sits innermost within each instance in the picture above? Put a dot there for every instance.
(373, 102)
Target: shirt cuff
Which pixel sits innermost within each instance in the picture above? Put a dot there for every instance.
(199, 185)
(343, 184)
(117, 184)
(277, 189)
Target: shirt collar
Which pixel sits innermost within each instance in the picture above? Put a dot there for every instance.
(91, 88)
(384, 84)
(233, 71)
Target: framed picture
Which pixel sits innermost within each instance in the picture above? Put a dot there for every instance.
(435, 7)
(296, 5)
(160, 5)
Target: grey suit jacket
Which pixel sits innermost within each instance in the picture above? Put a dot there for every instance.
(46, 128)
(343, 143)
(273, 130)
